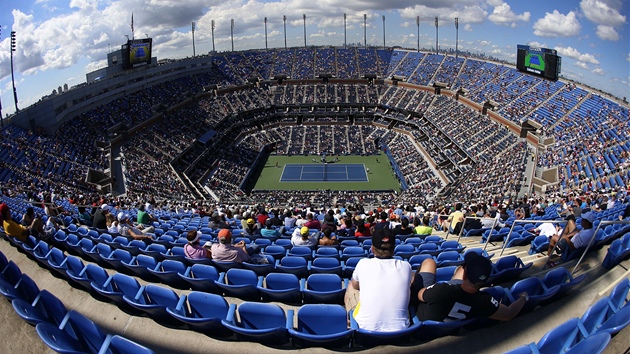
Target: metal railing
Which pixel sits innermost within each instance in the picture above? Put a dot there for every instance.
(590, 242)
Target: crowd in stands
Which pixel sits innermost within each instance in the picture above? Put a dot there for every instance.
(464, 144)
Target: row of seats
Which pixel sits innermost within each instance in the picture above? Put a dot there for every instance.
(592, 332)
(60, 329)
(618, 251)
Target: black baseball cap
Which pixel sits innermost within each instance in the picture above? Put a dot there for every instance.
(477, 267)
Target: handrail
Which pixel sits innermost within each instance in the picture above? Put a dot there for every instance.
(605, 223)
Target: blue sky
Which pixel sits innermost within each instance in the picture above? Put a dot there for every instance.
(59, 41)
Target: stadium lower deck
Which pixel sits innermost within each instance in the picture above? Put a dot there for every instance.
(18, 336)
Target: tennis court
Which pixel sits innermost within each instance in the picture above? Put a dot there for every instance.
(324, 172)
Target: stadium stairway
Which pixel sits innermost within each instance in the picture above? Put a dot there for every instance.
(20, 337)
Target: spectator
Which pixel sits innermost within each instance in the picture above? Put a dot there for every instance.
(289, 220)
(269, 231)
(29, 218)
(193, 248)
(224, 251)
(85, 218)
(580, 239)
(251, 230)
(13, 229)
(301, 237)
(378, 293)
(403, 228)
(456, 219)
(99, 219)
(127, 229)
(423, 229)
(460, 299)
(145, 219)
(327, 239)
(112, 223)
(312, 223)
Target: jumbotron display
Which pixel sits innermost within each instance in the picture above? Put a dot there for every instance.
(539, 61)
(138, 52)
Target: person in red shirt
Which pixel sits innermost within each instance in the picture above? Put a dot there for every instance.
(312, 223)
(262, 218)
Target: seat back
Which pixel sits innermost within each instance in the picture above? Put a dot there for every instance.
(127, 285)
(206, 305)
(237, 276)
(258, 315)
(282, 281)
(87, 332)
(204, 271)
(321, 319)
(161, 296)
(323, 282)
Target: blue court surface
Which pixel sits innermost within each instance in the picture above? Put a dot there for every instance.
(338, 172)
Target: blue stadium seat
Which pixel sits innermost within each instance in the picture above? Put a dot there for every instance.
(259, 322)
(367, 338)
(116, 287)
(153, 301)
(325, 265)
(281, 287)
(46, 308)
(506, 269)
(320, 325)
(168, 272)
(323, 288)
(202, 312)
(240, 283)
(560, 276)
(262, 269)
(201, 277)
(77, 335)
(293, 265)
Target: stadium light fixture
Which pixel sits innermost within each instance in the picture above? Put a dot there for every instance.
(266, 47)
(418, 25)
(284, 21)
(345, 34)
(13, 49)
(193, 38)
(232, 32)
(437, 51)
(304, 18)
(212, 27)
(383, 31)
(365, 30)
(456, 36)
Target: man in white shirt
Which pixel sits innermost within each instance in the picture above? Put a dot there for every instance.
(301, 237)
(378, 293)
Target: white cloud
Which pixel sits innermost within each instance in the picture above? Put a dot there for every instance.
(607, 33)
(598, 71)
(468, 27)
(503, 15)
(556, 24)
(607, 15)
(575, 54)
(581, 65)
(628, 57)
(537, 44)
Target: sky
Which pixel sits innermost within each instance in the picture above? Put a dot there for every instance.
(59, 41)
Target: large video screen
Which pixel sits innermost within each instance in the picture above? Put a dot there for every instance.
(538, 61)
(139, 52)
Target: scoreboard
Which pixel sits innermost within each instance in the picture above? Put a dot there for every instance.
(539, 61)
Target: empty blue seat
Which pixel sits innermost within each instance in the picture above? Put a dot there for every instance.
(619, 295)
(560, 338)
(240, 283)
(444, 274)
(281, 287)
(261, 269)
(352, 251)
(77, 334)
(25, 289)
(325, 265)
(168, 272)
(91, 273)
(301, 251)
(140, 265)
(276, 251)
(122, 345)
(327, 251)
(202, 277)
(116, 287)
(320, 325)
(293, 265)
(153, 301)
(416, 261)
(506, 269)
(117, 258)
(176, 253)
(536, 290)
(561, 277)
(591, 344)
(259, 322)
(449, 258)
(451, 246)
(45, 308)
(56, 260)
(202, 312)
(155, 250)
(349, 265)
(323, 288)
(540, 244)
(405, 251)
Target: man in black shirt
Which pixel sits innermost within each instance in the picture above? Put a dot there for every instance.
(460, 299)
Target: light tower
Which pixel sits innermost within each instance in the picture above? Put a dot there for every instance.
(13, 45)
